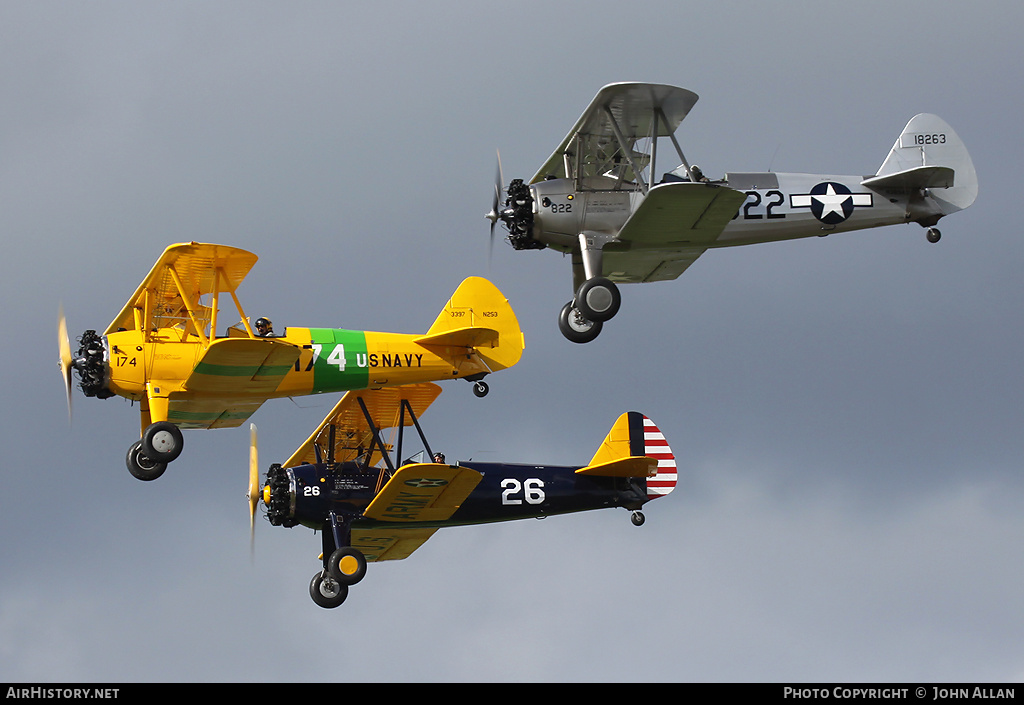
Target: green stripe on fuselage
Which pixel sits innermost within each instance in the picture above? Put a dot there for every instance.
(340, 360)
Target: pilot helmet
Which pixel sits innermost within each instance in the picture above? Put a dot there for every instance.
(263, 325)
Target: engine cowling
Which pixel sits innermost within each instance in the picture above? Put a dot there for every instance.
(517, 215)
(308, 493)
(279, 496)
(92, 367)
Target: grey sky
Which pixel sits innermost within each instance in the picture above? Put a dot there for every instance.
(846, 411)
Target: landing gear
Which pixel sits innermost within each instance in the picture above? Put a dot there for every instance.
(575, 326)
(637, 518)
(347, 566)
(141, 466)
(326, 591)
(480, 387)
(933, 235)
(598, 299)
(161, 443)
(344, 565)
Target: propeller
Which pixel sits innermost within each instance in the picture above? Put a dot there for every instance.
(254, 488)
(64, 345)
(499, 182)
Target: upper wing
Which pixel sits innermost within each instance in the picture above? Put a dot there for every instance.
(591, 148)
(347, 428)
(172, 293)
(671, 228)
(416, 494)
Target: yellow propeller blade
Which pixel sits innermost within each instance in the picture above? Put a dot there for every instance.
(254, 489)
(64, 345)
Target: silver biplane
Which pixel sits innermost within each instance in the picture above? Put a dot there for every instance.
(598, 198)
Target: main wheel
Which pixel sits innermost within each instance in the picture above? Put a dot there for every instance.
(327, 592)
(575, 326)
(162, 441)
(598, 299)
(141, 466)
(347, 565)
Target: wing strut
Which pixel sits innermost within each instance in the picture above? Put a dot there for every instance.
(416, 423)
(626, 151)
(404, 407)
(376, 438)
(189, 306)
(682, 158)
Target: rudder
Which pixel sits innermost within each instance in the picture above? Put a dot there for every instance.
(635, 435)
(929, 141)
(479, 316)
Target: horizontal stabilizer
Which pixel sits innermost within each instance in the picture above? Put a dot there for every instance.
(911, 180)
(624, 467)
(469, 337)
(635, 441)
(477, 316)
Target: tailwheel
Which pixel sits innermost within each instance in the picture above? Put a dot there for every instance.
(933, 235)
(162, 441)
(637, 518)
(326, 591)
(480, 389)
(347, 565)
(575, 326)
(141, 466)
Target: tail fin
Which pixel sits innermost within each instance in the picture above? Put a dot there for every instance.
(478, 316)
(929, 155)
(635, 447)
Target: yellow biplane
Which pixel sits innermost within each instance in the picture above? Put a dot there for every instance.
(163, 350)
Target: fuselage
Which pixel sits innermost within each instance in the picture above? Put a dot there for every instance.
(328, 360)
(505, 493)
(779, 206)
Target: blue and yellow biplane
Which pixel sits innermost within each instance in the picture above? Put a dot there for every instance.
(343, 481)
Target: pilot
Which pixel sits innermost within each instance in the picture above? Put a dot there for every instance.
(439, 458)
(697, 175)
(264, 328)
